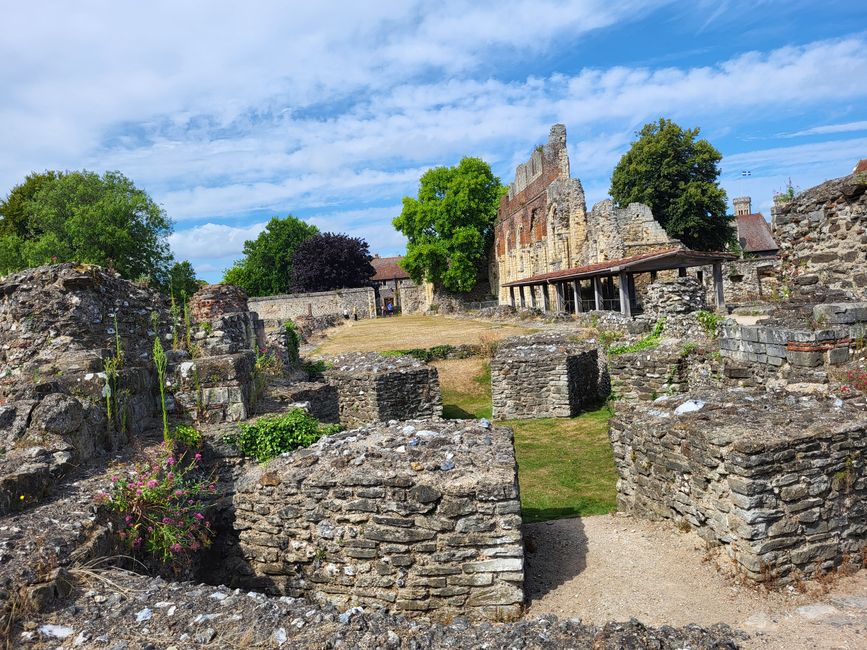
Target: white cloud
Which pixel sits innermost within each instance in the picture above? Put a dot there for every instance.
(213, 239)
(219, 111)
(830, 128)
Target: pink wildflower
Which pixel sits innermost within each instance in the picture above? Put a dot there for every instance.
(167, 520)
(197, 457)
(199, 516)
(179, 493)
(152, 483)
(115, 479)
(170, 461)
(128, 518)
(176, 548)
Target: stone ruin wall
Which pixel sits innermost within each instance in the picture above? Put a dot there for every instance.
(676, 296)
(543, 224)
(793, 345)
(375, 388)
(416, 517)
(543, 376)
(649, 374)
(822, 234)
(219, 382)
(613, 233)
(58, 326)
(742, 282)
(779, 482)
(279, 309)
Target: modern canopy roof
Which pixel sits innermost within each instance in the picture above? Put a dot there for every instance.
(670, 258)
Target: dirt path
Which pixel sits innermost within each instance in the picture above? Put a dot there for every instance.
(613, 567)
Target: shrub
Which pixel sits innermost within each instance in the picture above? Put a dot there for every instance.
(272, 435)
(161, 504)
(293, 341)
(186, 435)
(648, 342)
(709, 322)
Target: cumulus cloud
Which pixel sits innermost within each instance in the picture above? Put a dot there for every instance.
(223, 113)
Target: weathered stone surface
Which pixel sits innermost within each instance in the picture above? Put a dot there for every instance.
(376, 388)
(820, 228)
(379, 501)
(680, 295)
(543, 376)
(755, 472)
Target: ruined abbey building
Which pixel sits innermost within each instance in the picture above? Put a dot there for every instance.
(546, 242)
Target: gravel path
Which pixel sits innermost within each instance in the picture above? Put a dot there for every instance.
(615, 567)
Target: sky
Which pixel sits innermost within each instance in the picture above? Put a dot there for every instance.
(230, 113)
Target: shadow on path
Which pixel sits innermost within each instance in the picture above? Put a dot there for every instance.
(555, 552)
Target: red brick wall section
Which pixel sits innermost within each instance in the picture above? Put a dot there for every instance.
(215, 300)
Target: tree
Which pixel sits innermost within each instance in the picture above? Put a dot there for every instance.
(676, 175)
(266, 268)
(84, 217)
(331, 261)
(181, 280)
(450, 226)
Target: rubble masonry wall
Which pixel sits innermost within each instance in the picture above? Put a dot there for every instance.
(542, 376)
(375, 388)
(418, 517)
(779, 481)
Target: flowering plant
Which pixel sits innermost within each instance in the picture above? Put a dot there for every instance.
(161, 503)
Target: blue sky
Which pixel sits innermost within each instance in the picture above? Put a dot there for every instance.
(230, 113)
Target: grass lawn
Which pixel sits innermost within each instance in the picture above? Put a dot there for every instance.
(405, 332)
(565, 465)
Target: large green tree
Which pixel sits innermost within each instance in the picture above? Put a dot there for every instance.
(84, 217)
(266, 268)
(675, 174)
(450, 225)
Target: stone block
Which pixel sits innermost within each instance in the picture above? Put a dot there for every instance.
(805, 359)
(357, 525)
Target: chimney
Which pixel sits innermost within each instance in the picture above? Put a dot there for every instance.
(743, 205)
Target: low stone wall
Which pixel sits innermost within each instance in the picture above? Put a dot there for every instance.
(419, 518)
(647, 374)
(376, 388)
(779, 481)
(291, 306)
(773, 345)
(747, 281)
(675, 296)
(543, 376)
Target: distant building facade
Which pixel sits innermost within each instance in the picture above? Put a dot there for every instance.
(543, 224)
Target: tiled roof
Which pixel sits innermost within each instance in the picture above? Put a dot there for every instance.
(666, 258)
(388, 268)
(754, 234)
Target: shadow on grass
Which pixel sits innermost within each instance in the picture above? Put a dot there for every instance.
(455, 412)
(533, 515)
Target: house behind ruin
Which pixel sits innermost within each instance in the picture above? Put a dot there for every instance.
(543, 224)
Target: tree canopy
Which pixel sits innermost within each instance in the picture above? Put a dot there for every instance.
(675, 174)
(84, 217)
(266, 268)
(450, 225)
(181, 280)
(331, 261)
